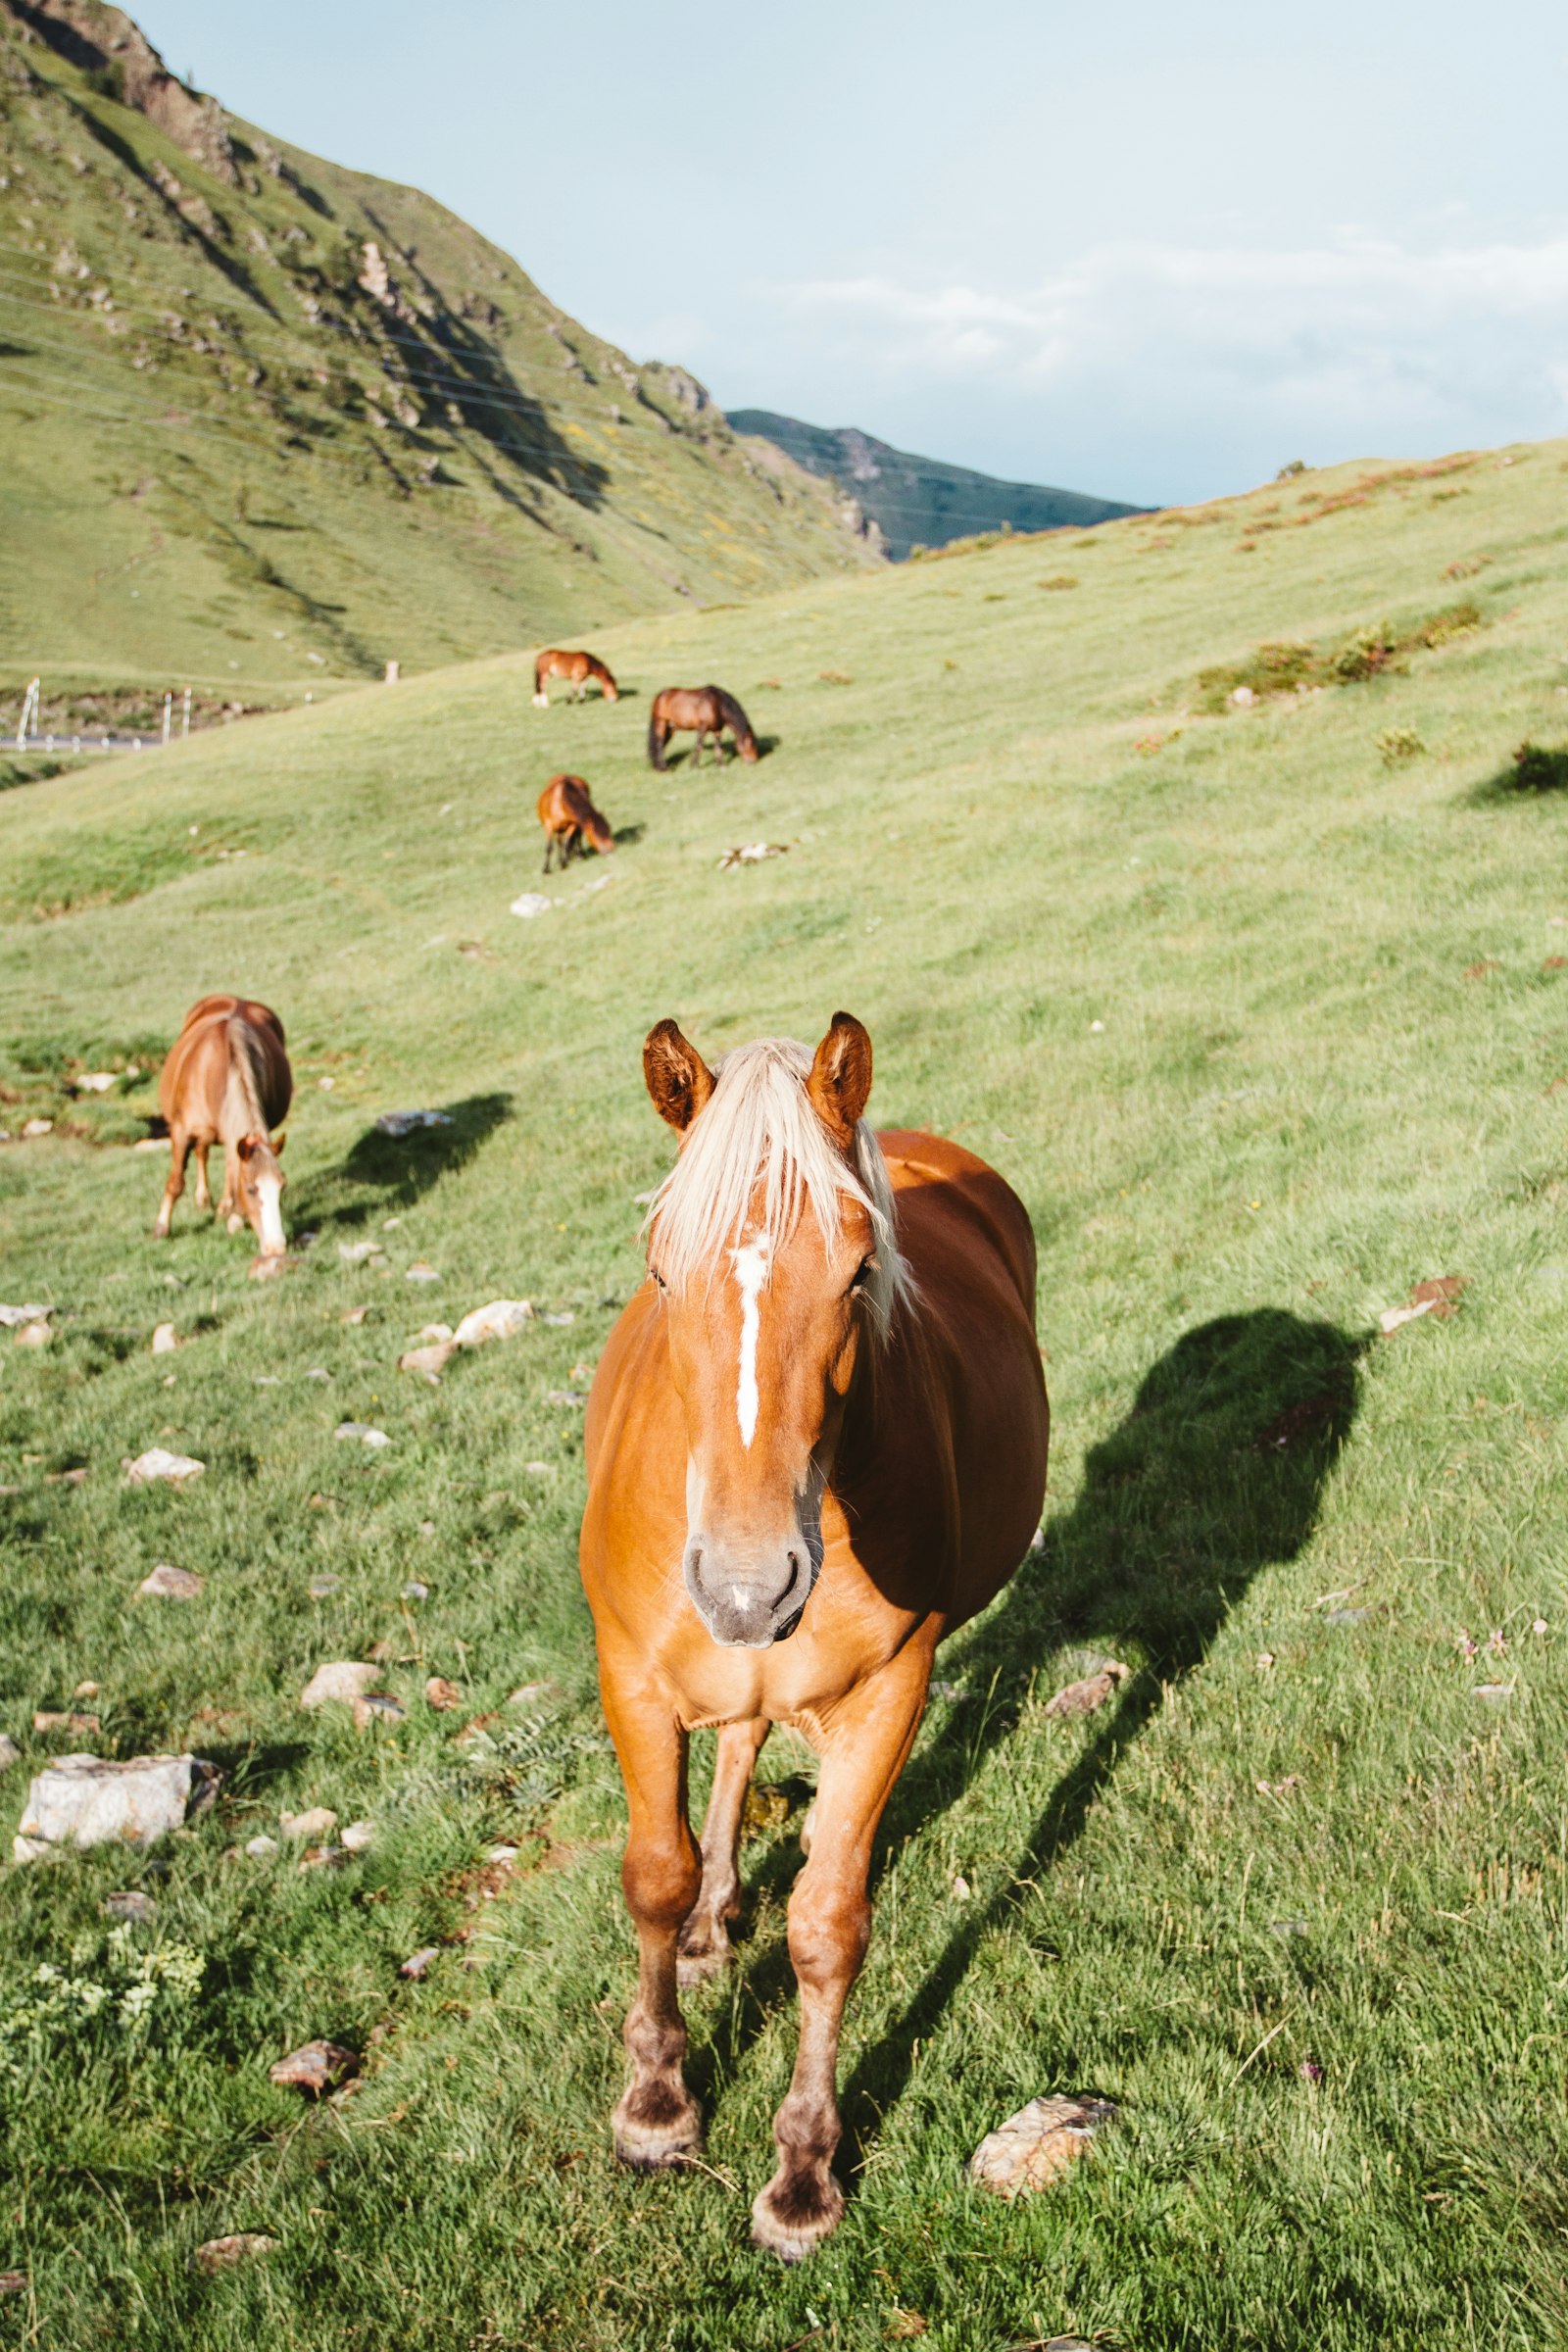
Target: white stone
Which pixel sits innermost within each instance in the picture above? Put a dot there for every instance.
(532, 903)
(320, 1821)
(93, 1800)
(367, 1435)
(159, 1463)
(164, 1339)
(10, 1752)
(13, 1317)
(164, 1583)
(343, 1680)
(258, 1848)
(502, 1319)
(358, 1835)
(1035, 2146)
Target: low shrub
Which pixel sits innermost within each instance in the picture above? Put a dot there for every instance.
(1395, 745)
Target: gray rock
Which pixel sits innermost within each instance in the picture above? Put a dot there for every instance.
(315, 2067)
(363, 1429)
(343, 1681)
(130, 1903)
(225, 2253)
(171, 1584)
(10, 1752)
(158, 1464)
(319, 1822)
(94, 1800)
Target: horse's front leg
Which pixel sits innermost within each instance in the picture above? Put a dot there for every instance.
(831, 1925)
(657, 2123)
(179, 1153)
(204, 1198)
(705, 1945)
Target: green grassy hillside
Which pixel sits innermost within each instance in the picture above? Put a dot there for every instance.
(269, 422)
(920, 502)
(1261, 1005)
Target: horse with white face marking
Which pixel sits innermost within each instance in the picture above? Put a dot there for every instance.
(817, 1443)
(227, 1081)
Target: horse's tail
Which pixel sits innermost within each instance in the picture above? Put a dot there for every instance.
(601, 670)
(656, 732)
(735, 716)
(538, 672)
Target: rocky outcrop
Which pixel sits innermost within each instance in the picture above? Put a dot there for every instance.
(102, 41)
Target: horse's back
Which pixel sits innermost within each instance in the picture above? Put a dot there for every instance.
(196, 1070)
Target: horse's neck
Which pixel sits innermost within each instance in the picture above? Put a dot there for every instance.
(241, 1112)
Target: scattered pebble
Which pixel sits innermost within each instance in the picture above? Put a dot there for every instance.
(159, 1464)
(50, 1719)
(752, 852)
(1083, 1697)
(131, 1904)
(164, 1583)
(342, 1680)
(962, 1889)
(1491, 1691)
(560, 1321)
(414, 1591)
(399, 1123)
(540, 1469)
(14, 1317)
(319, 1822)
(258, 1848)
(10, 1752)
(33, 1127)
(359, 1836)
(567, 1396)
(323, 1857)
(442, 1694)
(165, 1339)
(530, 904)
(315, 2067)
(529, 1695)
(418, 1963)
(1036, 2147)
(226, 2253)
(355, 1315)
(421, 1271)
(34, 1334)
(317, 1372)
(321, 1588)
(358, 1254)
(363, 1431)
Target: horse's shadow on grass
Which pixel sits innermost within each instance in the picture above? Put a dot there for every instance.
(627, 835)
(384, 1171)
(1217, 1471)
(1536, 771)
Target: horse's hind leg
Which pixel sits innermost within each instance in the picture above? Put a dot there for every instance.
(179, 1153)
(831, 1925)
(204, 1198)
(657, 2123)
(705, 1945)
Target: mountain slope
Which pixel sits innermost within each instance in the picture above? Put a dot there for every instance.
(269, 422)
(919, 501)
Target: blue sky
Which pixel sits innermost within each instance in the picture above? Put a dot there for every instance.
(1148, 251)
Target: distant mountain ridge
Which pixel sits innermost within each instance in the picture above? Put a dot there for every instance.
(920, 502)
(269, 422)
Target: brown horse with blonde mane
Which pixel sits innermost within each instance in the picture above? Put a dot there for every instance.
(227, 1081)
(569, 817)
(555, 661)
(817, 1443)
(707, 709)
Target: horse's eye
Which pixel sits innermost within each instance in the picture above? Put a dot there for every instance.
(862, 1275)
(659, 1278)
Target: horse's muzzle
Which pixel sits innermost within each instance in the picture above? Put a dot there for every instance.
(752, 1599)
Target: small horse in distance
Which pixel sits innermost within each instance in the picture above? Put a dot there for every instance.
(576, 668)
(707, 708)
(817, 1443)
(227, 1081)
(568, 816)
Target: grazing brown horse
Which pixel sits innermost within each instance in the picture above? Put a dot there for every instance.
(707, 708)
(576, 668)
(817, 1443)
(227, 1081)
(567, 815)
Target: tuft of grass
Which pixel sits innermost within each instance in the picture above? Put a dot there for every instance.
(1397, 745)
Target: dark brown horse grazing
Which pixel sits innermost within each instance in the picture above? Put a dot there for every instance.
(567, 815)
(707, 708)
(817, 1443)
(576, 668)
(227, 1081)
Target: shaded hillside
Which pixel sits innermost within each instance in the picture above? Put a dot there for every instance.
(268, 422)
(919, 502)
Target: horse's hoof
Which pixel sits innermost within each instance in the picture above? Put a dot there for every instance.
(541, 702)
(236, 1224)
(660, 2141)
(793, 2213)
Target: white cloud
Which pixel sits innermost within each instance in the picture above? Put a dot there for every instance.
(1360, 337)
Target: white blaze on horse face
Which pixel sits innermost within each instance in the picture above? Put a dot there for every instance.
(751, 1272)
(269, 1198)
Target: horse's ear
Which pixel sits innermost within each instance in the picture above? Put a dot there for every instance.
(280, 1139)
(841, 1077)
(246, 1147)
(680, 1080)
